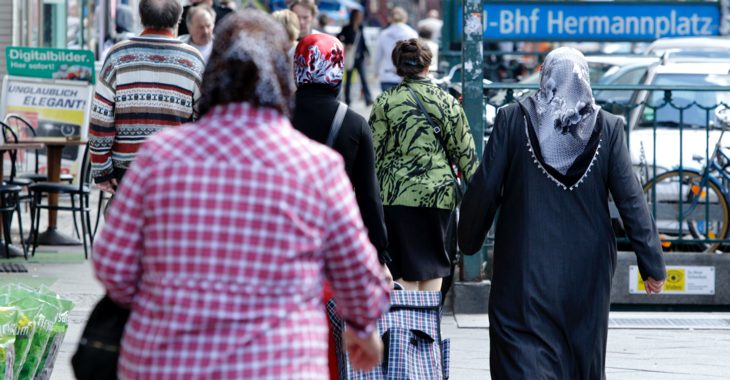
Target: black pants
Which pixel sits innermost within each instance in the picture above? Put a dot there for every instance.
(360, 67)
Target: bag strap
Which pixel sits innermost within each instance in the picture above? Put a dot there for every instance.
(336, 124)
(439, 137)
(436, 129)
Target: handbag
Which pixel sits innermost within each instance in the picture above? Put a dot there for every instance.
(412, 339)
(450, 241)
(98, 352)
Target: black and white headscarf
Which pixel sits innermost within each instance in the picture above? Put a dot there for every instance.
(563, 112)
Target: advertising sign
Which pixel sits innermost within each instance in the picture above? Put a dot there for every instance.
(680, 280)
(597, 21)
(55, 108)
(51, 63)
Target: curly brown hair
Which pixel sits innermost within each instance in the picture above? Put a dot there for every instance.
(411, 57)
(248, 64)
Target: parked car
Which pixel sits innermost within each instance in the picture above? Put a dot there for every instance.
(630, 72)
(693, 118)
(694, 44)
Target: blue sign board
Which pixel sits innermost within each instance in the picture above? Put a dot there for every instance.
(596, 21)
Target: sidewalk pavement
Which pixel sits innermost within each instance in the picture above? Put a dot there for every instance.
(646, 354)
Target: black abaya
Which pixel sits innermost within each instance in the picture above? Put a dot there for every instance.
(555, 250)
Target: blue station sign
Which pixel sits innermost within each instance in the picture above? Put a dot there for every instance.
(597, 21)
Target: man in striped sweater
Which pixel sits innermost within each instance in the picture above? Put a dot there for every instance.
(148, 83)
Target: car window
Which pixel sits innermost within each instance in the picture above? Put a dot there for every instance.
(597, 70)
(694, 115)
(714, 54)
(631, 76)
(620, 96)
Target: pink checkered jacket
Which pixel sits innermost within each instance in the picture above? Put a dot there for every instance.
(220, 239)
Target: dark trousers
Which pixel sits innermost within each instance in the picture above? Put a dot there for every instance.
(360, 67)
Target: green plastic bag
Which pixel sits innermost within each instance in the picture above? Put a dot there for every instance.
(44, 329)
(29, 309)
(5, 295)
(65, 305)
(8, 328)
(34, 330)
(20, 291)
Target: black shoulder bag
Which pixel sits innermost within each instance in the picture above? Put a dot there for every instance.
(98, 352)
(450, 242)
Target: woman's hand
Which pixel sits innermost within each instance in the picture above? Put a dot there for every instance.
(388, 276)
(364, 353)
(653, 286)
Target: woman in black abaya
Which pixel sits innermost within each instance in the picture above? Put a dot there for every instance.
(549, 166)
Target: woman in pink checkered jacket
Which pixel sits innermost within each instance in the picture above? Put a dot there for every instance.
(224, 230)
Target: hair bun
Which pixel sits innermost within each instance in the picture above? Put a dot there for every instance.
(410, 47)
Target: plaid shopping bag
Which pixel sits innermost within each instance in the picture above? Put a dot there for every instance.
(411, 333)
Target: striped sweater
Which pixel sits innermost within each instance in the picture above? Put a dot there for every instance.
(146, 84)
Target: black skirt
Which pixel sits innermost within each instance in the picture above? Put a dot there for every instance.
(416, 242)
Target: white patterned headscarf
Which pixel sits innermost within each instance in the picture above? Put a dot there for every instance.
(249, 63)
(563, 112)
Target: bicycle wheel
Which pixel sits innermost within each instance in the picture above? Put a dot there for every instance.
(704, 211)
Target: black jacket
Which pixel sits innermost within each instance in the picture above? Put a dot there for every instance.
(347, 36)
(316, 106)
(220, 12)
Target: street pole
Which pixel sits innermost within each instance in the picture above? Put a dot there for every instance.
(472, 58)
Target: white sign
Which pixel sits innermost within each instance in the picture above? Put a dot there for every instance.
(55, 108)
(680, 280)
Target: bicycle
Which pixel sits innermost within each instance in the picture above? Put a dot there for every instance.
(695, 202)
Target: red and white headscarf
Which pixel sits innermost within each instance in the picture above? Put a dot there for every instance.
(319, 59)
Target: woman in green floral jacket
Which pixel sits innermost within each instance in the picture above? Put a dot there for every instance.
(416, 180)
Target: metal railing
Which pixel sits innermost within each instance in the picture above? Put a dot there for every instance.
(686, 172)
(500, 66)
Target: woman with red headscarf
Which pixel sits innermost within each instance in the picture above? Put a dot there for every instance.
(318, 67)
(318, 64)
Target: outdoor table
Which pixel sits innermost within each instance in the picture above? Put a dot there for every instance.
(54, 147)
(14, 251)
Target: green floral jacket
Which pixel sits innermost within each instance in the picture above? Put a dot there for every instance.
(411, 164)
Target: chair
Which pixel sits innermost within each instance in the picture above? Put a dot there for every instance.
(10, 198)
(99, 210)
(12, 179)
(26, 179)
(9, 203)
(17, 121)
(81, 190)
